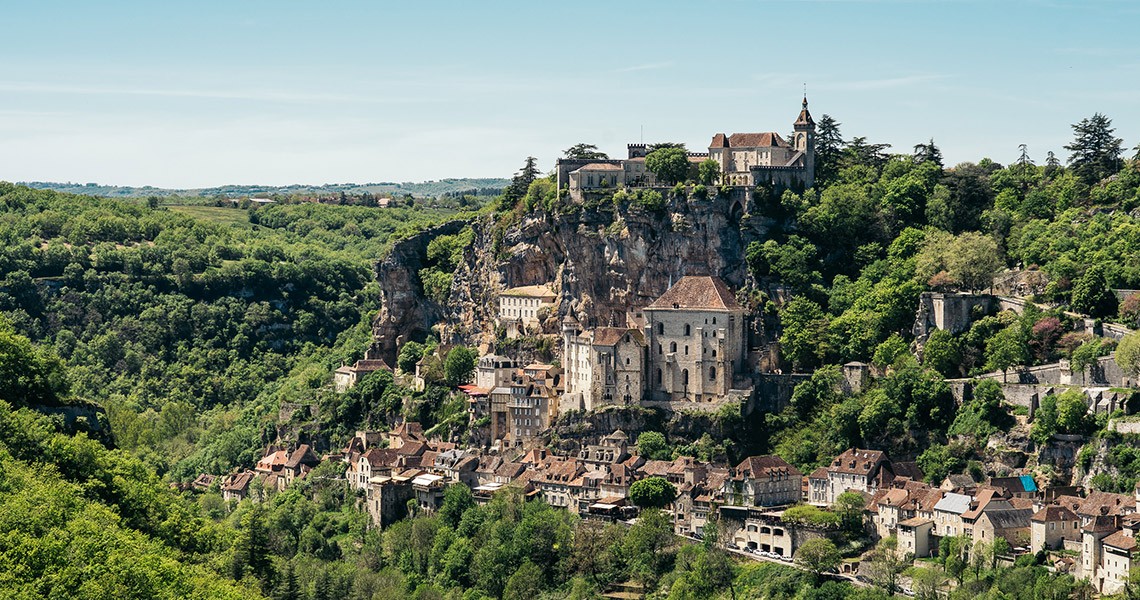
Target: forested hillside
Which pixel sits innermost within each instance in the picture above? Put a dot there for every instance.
(190, 324)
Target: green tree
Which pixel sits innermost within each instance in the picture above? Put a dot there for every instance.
(938, 461)
(648, 546)
(1073, 413)
(520, 183)
(928, 153)
(652, 446)
(652, 492)
(525, 584)
(1095, 151)
(251, 553)
(459, 365)
(1092, 294)
(457, 499)
(1007, 348)
(288, 588)
(818, 556)
(708, 172)
(892, 349)
(849, 506)
(584, 151)
(669, 165)
(1128, 354)
(941, 352)
(886, 563)
(28, 375)
(829, 146)
(409, 355)
(804, 333)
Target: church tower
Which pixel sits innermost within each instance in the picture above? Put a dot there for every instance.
(804, 131)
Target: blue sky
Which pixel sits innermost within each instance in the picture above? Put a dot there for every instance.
(278, 92)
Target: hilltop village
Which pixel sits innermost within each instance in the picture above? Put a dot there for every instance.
(703, 347)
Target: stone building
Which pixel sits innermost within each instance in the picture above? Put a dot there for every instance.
(745, 160)
(603, 366)
(764, 481)
(519, 308)
(695, 339)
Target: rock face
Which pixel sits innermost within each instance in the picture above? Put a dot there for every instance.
(602, 263)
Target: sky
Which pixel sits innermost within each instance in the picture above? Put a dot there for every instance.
(199, 94)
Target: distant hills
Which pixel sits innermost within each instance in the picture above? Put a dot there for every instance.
(422, 189)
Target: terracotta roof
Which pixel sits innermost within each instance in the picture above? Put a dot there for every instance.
(1120, 540)
(412, 448)
(1054, 513)
(529, 291)
(1102, 524)
(907, 469)
(697, 292)
(928, 500)
(894, 497)
(380, 457)
(766, 466)
(368, 365)
(857, 462)
(1106, 503)
(600, 167)
(820, 473)
(914, 522)
(238, 481)
(767, 139)
(609, 336)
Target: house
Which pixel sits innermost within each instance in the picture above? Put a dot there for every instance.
(519, 308)
(346, 377)
(817, 485)
(857, 470)
(428, 489)
(603, 366)
(744, 160)
(1012, 524)
(387, 498)
(202, 482)
(695, 340)
(764, 481)
(915, 536)
(408, 431)
(236, 486)
(300, 462)
(614, 448)
(1051, 526)
(1118, 555)
(948, 514)
(1021, 486)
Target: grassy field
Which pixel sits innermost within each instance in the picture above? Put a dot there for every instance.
(215, 214)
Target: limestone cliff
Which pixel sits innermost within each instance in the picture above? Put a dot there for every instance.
(601, 262)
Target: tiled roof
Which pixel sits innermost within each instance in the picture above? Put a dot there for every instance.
(766, 466)
(1106, 503)
(820, 473)
(1120, 540)
(609, 336)
(1009, 518)
(1053, 513)
(697, 292)
(530, 291)
(914, 522)
(857, 461)
(600, 167)
(768, 139)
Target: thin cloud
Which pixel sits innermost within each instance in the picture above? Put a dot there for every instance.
(880, 84)
(237, 94)
(644, 67)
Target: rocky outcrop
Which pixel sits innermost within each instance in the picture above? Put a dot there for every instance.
(601, 262)
(405, 311)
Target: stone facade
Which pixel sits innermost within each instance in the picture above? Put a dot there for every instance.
(695, 338)
(745, 160)
(603, 366)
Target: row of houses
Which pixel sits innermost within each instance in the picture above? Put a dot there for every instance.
(401, 469)
(1099, 527)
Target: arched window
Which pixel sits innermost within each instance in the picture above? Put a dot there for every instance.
(672, 346)
(712, 373)
(685, 377)
(688, 329)
(714, 320)
(660, 329)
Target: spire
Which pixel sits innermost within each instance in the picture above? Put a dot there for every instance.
(805, 116)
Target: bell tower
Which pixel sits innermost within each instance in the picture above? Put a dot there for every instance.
(804, 131)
